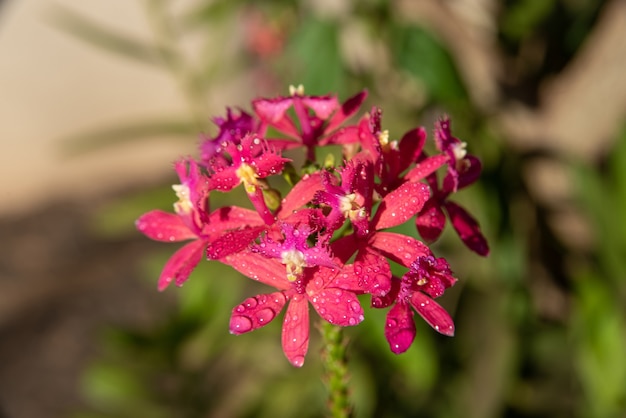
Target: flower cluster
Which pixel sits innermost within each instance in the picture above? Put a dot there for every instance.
(326, 241)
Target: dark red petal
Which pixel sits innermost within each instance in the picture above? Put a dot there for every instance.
(259, 268)
(430, 221)
(387, 300)
(295, 335)
(373, 272)
(433, 313)
(400, 205)
(470, 172)
(468, 229)
(256, 312)
(337, 306)
(163, 226)
(399, 248)
(400, 328)
(181, 263)
(410, 147)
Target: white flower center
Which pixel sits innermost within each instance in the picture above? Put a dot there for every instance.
(184, 205)
(295, 263)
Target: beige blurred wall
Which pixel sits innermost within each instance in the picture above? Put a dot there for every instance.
(53, 86)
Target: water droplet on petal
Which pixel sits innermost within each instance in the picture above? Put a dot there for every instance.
(240, 324)
(265, 315)
(297, 361)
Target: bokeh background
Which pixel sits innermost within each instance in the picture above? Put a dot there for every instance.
(97, 99)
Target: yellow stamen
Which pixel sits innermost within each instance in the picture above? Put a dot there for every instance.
(248, 177)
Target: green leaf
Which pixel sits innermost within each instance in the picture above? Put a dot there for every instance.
(127, 133)
(105, 38)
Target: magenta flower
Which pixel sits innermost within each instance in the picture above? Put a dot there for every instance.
(247, 163)
(431, 220)
(231, 131)
(427, 278)
(331, 292)
(294, 251)
(317, 117)
(192, 222)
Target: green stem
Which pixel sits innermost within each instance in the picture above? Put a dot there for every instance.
(336, 370)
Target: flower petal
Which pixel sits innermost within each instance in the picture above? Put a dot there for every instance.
(399, 248)
(301, 194)
(232, 242)
(433, 313)
(348, 108)
(256, 312)
(410, 147)
(373, 272)
(181, 263)
(295, 335)
(400, 328)
(426, 167)
(430, 221)
(400, 205)
(338, 306)
(273, 112)
(259, 268)
(467, 228)
(163, 226)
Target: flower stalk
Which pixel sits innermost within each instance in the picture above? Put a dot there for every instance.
(335, 364)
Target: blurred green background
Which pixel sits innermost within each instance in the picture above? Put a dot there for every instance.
(534, 87)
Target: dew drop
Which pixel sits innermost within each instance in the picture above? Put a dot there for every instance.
(265, 315)
(297, 361)
(240, 324)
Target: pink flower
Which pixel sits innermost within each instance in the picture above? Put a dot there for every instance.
(246, 163)
(331, 292)
(427, 278)
(318, 116)
(192, 222)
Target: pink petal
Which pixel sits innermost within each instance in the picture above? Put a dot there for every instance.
(347, 135)
(373, 272)
(295, 335)
(268, 164)
(467, 228)
(256, 312)
(232, 242)
(181, 263)
(426, 167)
(433, 313)
(273, 112)
(224, 179)
(301, 194)
(337, 306)
(400, 328)
(322, 106)
(401, 204)
(379, 302)
(163, 226)
(259, 268)
(430, 221)
(346, 279)
(348, 108)
(232, 217)
(399, 248)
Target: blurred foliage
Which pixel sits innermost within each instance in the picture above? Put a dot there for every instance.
(541, 329)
